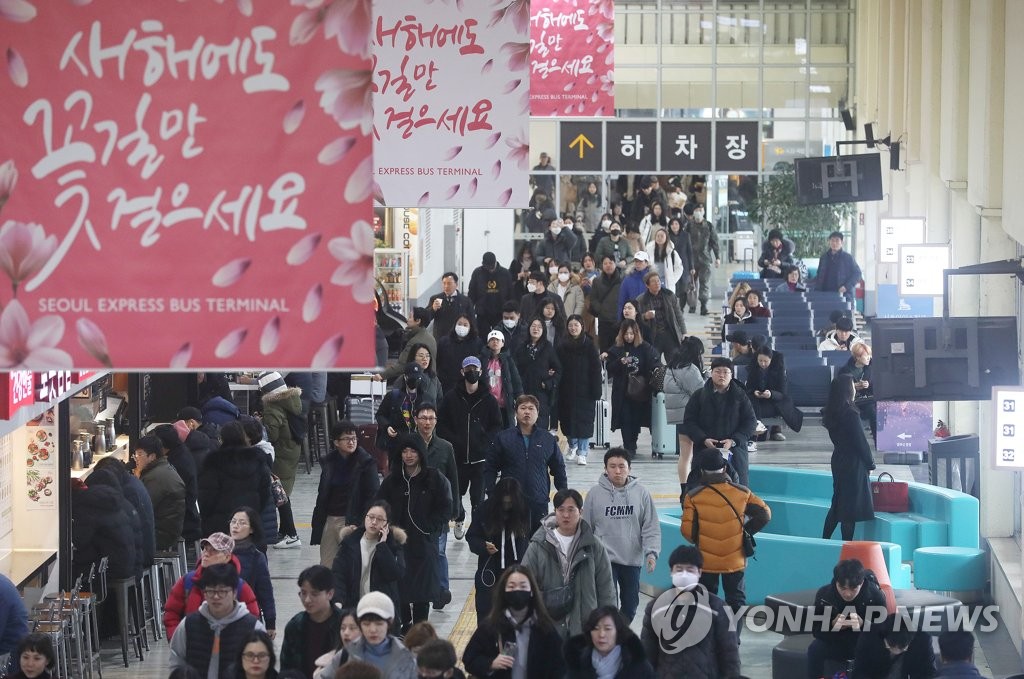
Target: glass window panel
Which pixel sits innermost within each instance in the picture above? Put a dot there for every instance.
(786, 88)
(739, 37)
(636, 88)
(829, 90)
(687, 38)
(737, 88)
(543, 133)
(636, 38)
(785, 37)
(686, 88)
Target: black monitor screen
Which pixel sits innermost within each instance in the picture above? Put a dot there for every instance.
(838, 179)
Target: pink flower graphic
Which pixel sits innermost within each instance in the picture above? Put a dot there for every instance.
(519, 151)
(356, 257)
(8, 178)
(92, 339)
(28, 345)
(347, 96)
(518, 11)
(605, 8)
(16, 68)
(305, 26)
(19, 11)
(24, 250)
(351, 22)
(518, 55)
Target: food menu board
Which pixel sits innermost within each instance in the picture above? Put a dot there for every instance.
(40, 453)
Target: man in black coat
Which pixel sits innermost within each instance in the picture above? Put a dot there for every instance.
(490, 287)
(446, 306)
(198, 441)
(511, 327)
(469, 418)
(720, 416)
(99, 528)
(888, 650)
(850, 602)
(604, 302)
(837, 270)
(533, 301)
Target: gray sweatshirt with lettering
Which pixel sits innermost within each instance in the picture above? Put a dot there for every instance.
(624, 520)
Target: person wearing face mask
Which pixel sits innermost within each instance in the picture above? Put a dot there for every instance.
(395, 415)
(511, 328)
(614, 246)
(499, 374)
(537, 294)
(558, 242)
(520, 269)
(704, 243)
(648, 193)
(604, 302)
(579, 388)
(633, 282)
(461, 342)
(718, 653)
(888, 651)
(469, 419)
(566, 285)
(448, 305)
(499, 537)
(607, 649)
(518, 639)
(490, 287)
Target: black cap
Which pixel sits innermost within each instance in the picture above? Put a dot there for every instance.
(760, 341)
(739, 337)
(489, 259)
(721, 362)
(835, 234)
(190, 413)
(713, 460)
(844, 323)
(413, 370)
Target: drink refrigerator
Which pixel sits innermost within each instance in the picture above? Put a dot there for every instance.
(392, 271)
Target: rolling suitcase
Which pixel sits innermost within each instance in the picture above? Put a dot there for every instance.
(360, 411)
(368, 440)
(603, 419)
(663, 434)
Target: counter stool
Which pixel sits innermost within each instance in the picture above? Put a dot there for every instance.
(319, 430)
(176, 561)
(127, 592)
(76, 608)
(52, 623)
(156, 587)
(96, 595)
(147, 600)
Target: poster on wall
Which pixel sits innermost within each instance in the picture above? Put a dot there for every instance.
(40, 453)
(185, 185)
(451, 103)
(572, 58)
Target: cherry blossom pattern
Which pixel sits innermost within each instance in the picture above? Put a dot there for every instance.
(519, 151)
(181, 357)
(16, 68)
(24, 251)
(351, 23)
(28, 345)
(327, 355)
(92, 339)
(347, 96)
(18, 11)
(8, 178)
(270, 336)
(518, 55)
(355, 255)
(516, 11)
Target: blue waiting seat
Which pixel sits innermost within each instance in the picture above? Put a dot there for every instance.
(809, 385)
(836, 358)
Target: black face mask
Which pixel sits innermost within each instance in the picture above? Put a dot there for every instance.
(412, 382)
(472, 376)
(518, 599)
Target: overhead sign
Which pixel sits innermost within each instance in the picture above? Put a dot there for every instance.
(904, 426)
(451, 102)
(896, 231)
(17, 390)
(643, 146)
(921, 269)
(582, 148)
(572, 57)
(1008, 408)
(185, 185)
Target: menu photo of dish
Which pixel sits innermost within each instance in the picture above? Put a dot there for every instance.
(41, 467)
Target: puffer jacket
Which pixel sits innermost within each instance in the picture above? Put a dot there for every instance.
(716, 656)
(469, 422)
(734, 419)
(167, 492)
(588, 570)
(186, 597)
(624, 520)
(387, 566)
(710, 523)
(233, 477)
(287, 450)
(99, 528)
(255, 570)
(107, 478)
(633, 661)
(604, 297)
(680, 385)
(530, 465)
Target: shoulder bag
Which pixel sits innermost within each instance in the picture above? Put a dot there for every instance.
(749, 543)
(638, 388)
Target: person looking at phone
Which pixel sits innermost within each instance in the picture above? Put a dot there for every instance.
(518, 625)
(849, 602)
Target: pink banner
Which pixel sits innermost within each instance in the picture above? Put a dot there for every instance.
(185, 184)
(572, 56)
(451, 103)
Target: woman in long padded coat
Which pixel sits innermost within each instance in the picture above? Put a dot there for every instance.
(234, 475)
(580, 387)
(851, 461)
(539, 369)
(630, 355)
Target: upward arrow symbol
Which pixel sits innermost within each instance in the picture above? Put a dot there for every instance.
(581, 139)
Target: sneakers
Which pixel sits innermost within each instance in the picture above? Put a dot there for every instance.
(443, 600)
(693, 310)
(460, 530)
(289, 542)
(703, 309)
(760, 428)
(571, 455)
(778, 436)
(581, 461)
(751, 448)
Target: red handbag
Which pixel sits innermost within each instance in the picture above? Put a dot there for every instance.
(891, 495)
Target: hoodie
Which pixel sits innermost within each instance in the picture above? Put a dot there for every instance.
(185, 597)
(225, 647)
(624, 520)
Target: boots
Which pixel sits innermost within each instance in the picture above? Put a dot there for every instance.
(703, 308)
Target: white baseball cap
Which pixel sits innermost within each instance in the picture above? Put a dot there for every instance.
(496, 334)
(641, 256)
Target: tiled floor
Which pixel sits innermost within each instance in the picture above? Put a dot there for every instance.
(808, 449)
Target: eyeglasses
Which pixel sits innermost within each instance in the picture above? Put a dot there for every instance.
(239, 522)
(376, 519)
(218, 593)
(347, 439)
(256, 657)
(426, 418)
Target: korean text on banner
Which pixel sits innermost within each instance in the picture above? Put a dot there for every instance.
(572, 55)
(451, 103)
(185, 185)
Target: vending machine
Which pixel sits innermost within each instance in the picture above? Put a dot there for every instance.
(392, 269)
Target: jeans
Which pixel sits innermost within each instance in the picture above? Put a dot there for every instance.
(471, 477)
(442, 561)
(582, 446)
(627, 579)
(537, 512)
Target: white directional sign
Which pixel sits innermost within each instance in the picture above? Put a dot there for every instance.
(896, 231)
(1008, 415)
(920, 269)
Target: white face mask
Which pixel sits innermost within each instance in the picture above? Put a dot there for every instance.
(698, 215)
(531, 287)
(461, 330)
(555, 230)
(552, 270)
(563, 277)
(684, 579)
(509, 323)
(605, 223)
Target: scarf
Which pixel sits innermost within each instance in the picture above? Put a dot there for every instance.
(532, 349)
(606, 666)
(243, 543)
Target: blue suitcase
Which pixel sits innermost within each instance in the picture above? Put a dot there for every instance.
(663, 434)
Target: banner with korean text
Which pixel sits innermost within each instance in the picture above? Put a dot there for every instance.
(572, 58)
(186, 185)
(451, 103)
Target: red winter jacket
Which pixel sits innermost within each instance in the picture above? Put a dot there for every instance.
(178, 606)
